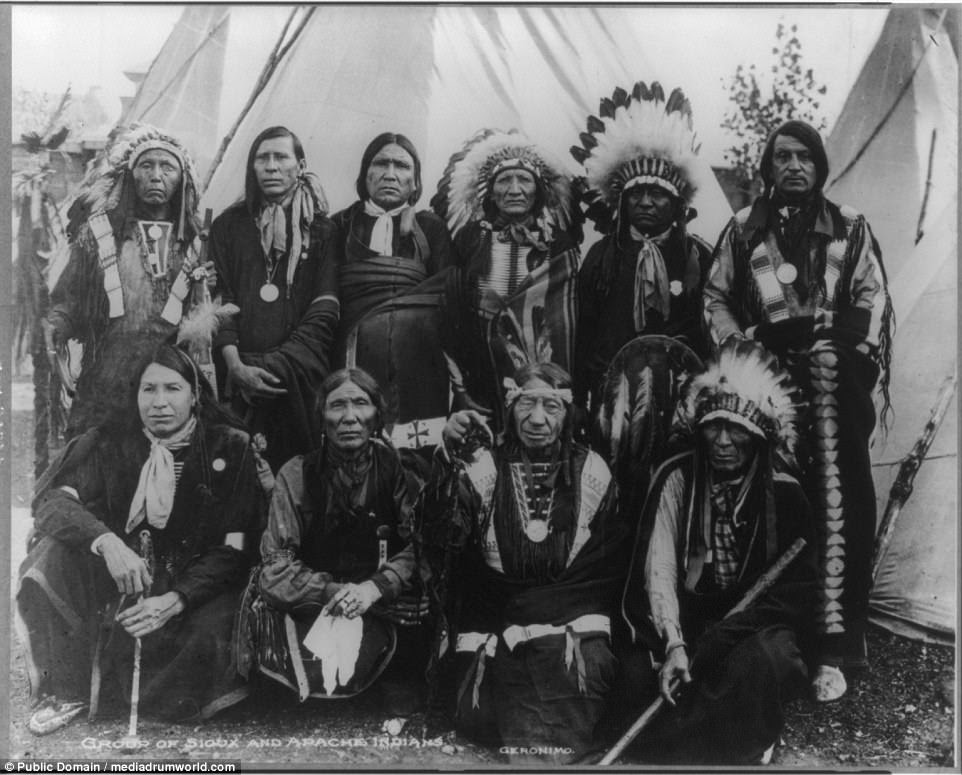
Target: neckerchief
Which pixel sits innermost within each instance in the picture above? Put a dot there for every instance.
(272, 224)
(651, 278)
(347, 477)
(382, 235)
(520, 233)
(154, 498)
(729, 494)
(302, 203)
(724, 496)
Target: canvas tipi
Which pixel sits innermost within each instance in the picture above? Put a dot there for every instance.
(343, 74)
(893, 156)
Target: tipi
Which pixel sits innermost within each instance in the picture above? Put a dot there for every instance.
(343, 74)
(893, 156)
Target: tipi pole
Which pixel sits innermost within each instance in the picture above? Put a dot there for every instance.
(928, 188)
(903, 485)
(280, 49)
(895, 103)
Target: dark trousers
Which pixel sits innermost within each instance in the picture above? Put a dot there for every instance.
(733, 709)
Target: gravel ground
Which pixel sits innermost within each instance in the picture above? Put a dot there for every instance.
(900, 716)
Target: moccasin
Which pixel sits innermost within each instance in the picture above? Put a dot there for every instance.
(828, 684)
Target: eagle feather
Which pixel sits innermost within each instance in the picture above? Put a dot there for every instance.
(620, 414)
(641, 411)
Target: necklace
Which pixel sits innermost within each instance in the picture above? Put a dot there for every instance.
(269, 292)
(153, 238)
(536, 526)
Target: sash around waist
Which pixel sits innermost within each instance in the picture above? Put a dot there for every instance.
(516, 633)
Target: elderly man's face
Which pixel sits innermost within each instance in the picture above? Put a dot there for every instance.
(793, 168)
(349, 418)
(650, 209)
(538, 416)
(514, 192)
(390, 177)
(730, 446)
(157, 176)
(277, 168)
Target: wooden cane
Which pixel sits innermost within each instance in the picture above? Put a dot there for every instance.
(135, 690)
(131, 742)
(760, 586)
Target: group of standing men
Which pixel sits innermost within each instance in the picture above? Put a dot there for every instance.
(790, 310)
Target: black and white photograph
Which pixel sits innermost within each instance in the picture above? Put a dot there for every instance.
(485, 386)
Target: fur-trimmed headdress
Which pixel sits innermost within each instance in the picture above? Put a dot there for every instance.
(639, 139)
(745, 385)
(464, 190)
(110, 186)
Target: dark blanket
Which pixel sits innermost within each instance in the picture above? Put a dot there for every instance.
(744, 667)
(551, 691)
(68, 600)
(421, 249)
(789, 601)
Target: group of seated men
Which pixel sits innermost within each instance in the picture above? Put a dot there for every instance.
(573, 534)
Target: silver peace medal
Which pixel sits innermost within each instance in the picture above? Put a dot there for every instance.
(786, 274)
(675, 287)
(537, 530)
(269, 292)
(155, 232)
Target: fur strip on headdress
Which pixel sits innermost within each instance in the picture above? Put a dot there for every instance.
(639, 139)
(105, 188)
(745, 385)
(466, 183)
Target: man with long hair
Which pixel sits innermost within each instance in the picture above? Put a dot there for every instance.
(804, 277)
(542, 562)
(273, 259)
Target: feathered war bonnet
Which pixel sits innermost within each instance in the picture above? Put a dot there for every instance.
(110, 188)
(640, 139)
(464, 190)
(744, 385)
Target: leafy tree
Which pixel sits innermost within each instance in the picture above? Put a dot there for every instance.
(761, 103)
(42, 113)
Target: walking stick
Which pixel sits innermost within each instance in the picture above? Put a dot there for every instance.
(131, 741)
(758, 588)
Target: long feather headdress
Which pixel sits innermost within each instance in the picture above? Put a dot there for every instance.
(639, 138)
(467, 179)
(745, 385)
(103, 188)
